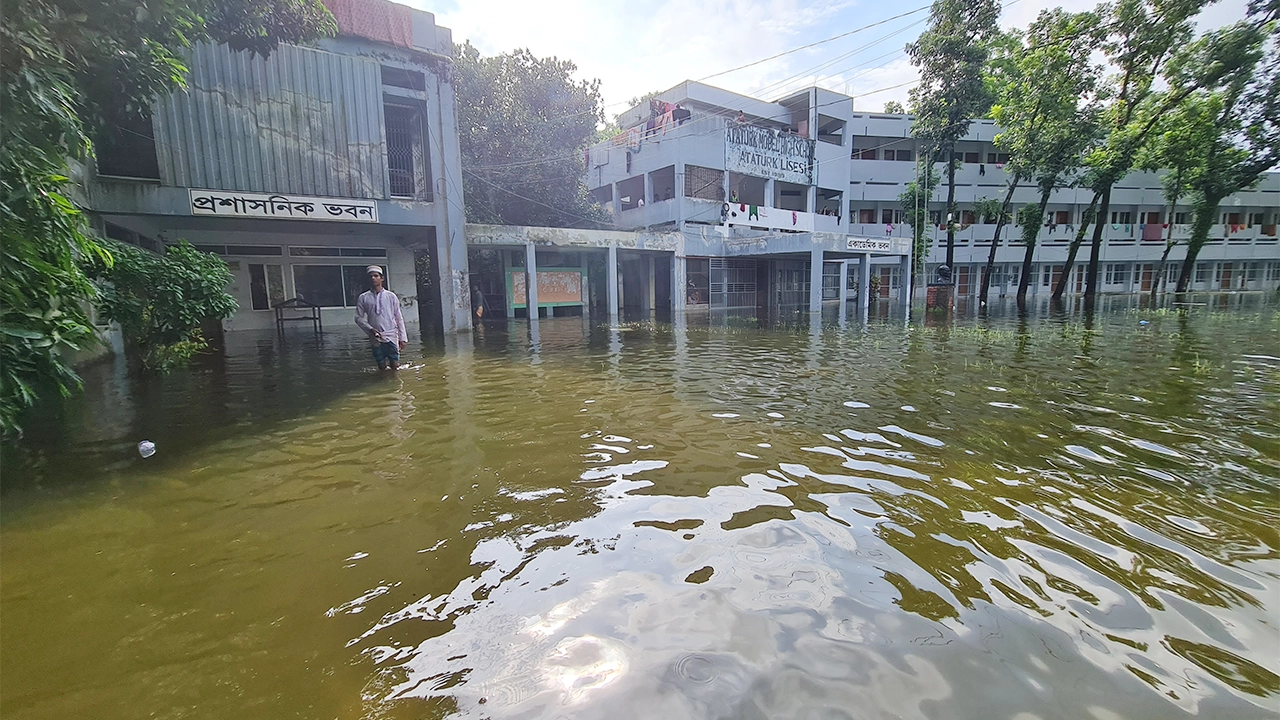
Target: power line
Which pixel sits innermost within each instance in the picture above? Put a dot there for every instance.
(815, 44)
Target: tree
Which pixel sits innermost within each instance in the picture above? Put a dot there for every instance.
(1180, 144)
(1045, 105)
(69, 71)
(161, 301)
(893, 107)
(1146, 40)
(1244, 127)
(523, 126)
(915, 201)
(951, 55)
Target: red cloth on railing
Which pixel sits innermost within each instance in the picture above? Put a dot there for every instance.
(378, 20)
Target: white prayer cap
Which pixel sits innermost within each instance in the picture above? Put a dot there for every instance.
(374, 269)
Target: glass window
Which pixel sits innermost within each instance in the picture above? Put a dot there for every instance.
(319, 284)
(266, 285)
(904, 155)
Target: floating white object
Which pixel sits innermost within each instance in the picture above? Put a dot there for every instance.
(146, 448)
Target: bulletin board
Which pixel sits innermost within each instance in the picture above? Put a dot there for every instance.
(557, 287)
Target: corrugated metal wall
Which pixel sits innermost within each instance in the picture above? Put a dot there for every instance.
(302, 122)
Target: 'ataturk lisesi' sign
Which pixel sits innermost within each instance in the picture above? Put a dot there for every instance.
(282, 207)
(764, 152)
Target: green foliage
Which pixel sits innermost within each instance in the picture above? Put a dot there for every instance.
(951, 55)
(893, 107)
(69, 71)
(1045, 84)
(1029, 218)
(523, 125)
(1235, 120)
(160, 301)
(915, 212)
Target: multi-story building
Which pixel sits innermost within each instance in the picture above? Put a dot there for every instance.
(713, 164)
(302, 168)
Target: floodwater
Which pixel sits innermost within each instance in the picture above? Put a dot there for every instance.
(992, 518)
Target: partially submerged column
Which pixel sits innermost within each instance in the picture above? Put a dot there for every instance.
(611, 283)
(844, 288)
(904, 284)
(531, 280)
(679, 280)
(815, 281)
(864, 284)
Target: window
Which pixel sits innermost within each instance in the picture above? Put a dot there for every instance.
(406, 154)
(403, 78)
(1256, 219)
(890, 217)
(1251, 272)
(1062, 217)
(128, 149)
(1153, 218)
(1121, 217)
(831, 281)
(266, 285)
(1202, 272)
(968, 217)
(867, 216)
(972, 157)
(1181, 218)
(997, 158)
(902, 155)
(1231, 218)
(697, 281)
(868, 154)
(336, 252)
(332, 285)
(935, 217)
(1117, 274)
(700, 182)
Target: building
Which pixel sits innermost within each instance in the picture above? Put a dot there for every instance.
(303, 168)
(709, 163)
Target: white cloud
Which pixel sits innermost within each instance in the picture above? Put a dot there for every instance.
(636, 48)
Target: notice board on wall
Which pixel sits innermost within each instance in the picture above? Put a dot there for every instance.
(555, 287)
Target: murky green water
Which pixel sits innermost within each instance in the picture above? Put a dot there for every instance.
(995, 519)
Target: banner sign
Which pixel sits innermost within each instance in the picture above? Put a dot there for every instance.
(282, 207)
(767, 217)
(764, 152)
(887, 246)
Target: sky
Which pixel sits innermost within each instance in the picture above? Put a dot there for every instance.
(640, 47)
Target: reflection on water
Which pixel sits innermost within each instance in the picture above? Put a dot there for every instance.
(994, 518)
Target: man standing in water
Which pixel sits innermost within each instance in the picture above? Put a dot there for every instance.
(378, 314)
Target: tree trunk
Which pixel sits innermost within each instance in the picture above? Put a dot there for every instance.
(1095, 254)
(1031, 239)
(1206, 213)
(995, 241)
(951, 210)
(1085, 219)
(1164, 257)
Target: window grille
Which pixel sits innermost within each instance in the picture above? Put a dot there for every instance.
(402, 125)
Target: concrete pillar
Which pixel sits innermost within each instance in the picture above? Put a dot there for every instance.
(531, 280)
(844, 289)
(811, 199)
(611, 283)
(815, 281)
(904, 289)
(679, 281)
(770, 190)
(451, 241)
(648, 188)
(864, 285)
(651, 301)
(617, 201)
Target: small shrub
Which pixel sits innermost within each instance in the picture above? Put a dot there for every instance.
(160, 301)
